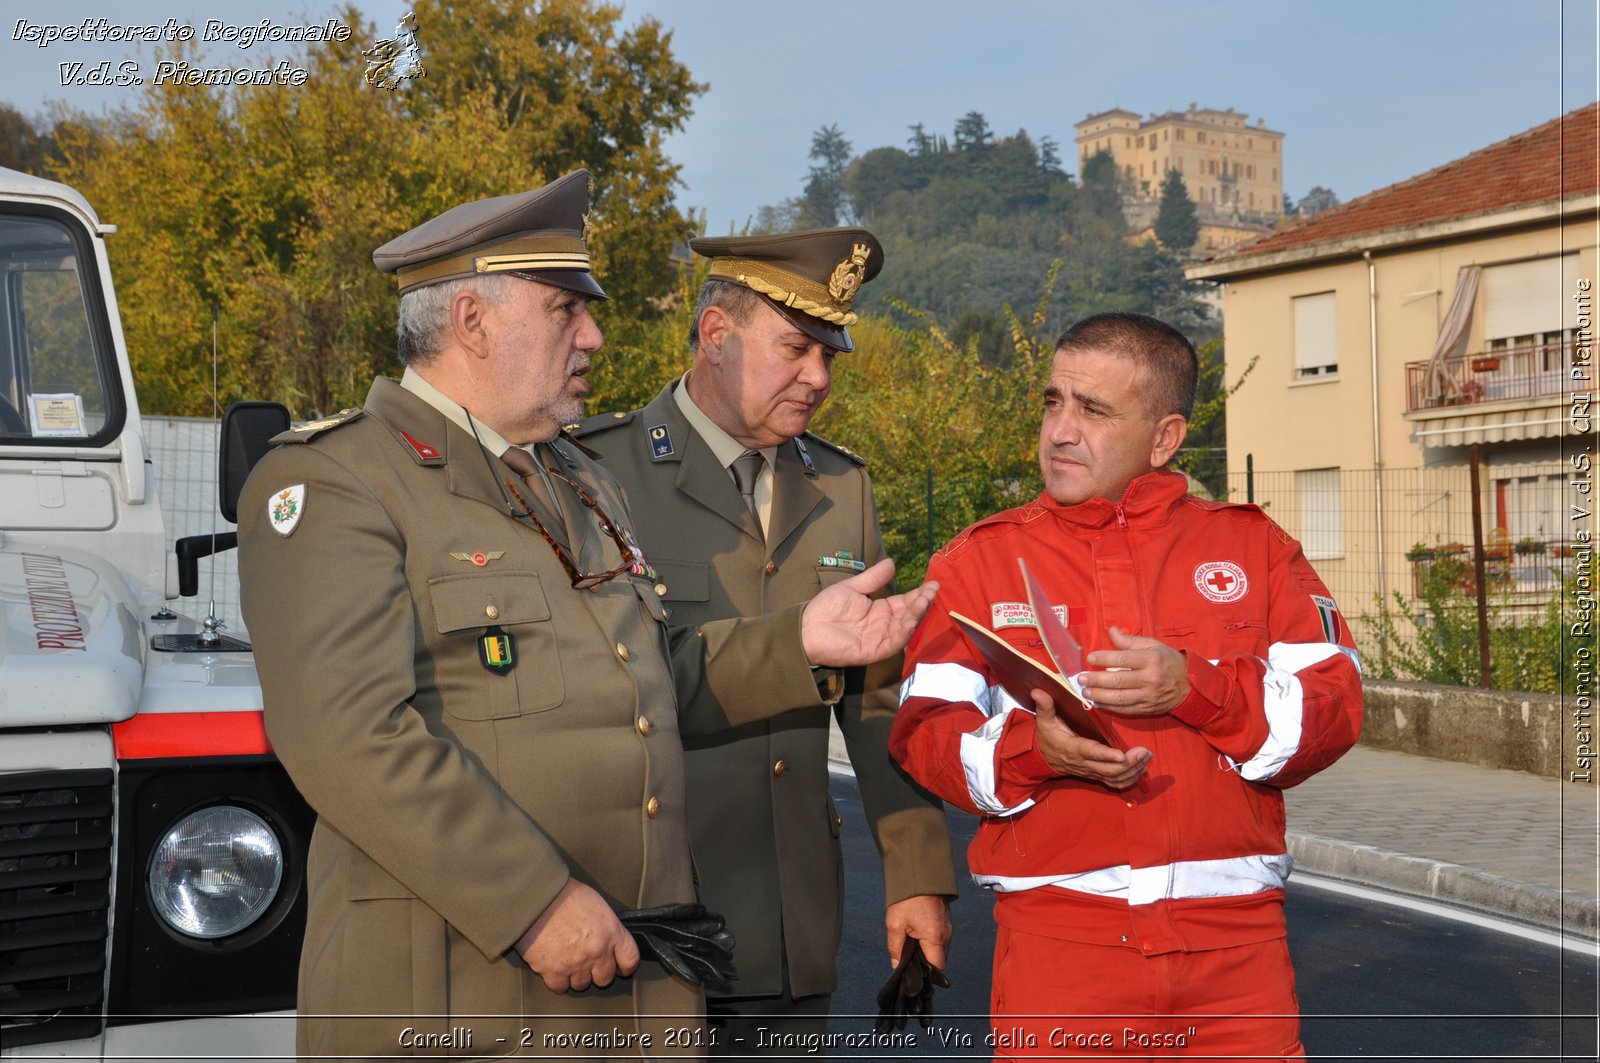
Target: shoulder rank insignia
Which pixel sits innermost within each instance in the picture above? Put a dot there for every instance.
(831, 445)
(305, 433)
(285, 508)
(598, 423)
(479, 557)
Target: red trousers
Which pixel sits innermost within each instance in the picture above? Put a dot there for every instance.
(1068, 999)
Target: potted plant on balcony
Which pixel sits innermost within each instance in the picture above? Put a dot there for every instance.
(1528, 546)
(1419, 552)
(1487, 363)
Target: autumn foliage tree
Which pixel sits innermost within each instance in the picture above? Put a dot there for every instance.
(266, 202)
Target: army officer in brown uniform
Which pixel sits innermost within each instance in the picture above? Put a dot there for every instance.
(468, 673)
(742, 510)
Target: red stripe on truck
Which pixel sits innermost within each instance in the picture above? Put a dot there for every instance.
(190, 734)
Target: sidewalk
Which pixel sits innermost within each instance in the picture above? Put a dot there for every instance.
(1503, 842)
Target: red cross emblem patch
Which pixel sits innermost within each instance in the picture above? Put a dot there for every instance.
(1221, 581)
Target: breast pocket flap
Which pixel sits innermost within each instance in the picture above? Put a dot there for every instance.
(477, 601)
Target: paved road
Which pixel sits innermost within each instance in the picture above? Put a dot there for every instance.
(1376, 980)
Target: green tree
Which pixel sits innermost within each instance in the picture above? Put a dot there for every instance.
(824, 195)
(280, 238)
(1316, 201)
(921, 142)
(1177, 223)
(1049, 155)
(573, 87)
(1102, 187)
(22, 147)
(876, 176)
(972, 132)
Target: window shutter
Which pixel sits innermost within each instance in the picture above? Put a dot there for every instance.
(1316, 342)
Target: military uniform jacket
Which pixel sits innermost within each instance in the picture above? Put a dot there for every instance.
(763, 827)
(379, 565)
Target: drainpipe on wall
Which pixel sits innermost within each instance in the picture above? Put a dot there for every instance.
(1377, 435)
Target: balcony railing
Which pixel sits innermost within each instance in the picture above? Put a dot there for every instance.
(1534, 371)
(1527, 566)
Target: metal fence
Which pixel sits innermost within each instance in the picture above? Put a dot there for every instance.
(1372, 533)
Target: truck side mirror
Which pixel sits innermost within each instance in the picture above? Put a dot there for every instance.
(247, 431)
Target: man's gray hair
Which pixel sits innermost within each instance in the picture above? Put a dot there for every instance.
(424, 319)
(740, 302)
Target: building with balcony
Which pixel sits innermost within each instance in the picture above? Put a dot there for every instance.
(1439, 319)
(1233, 170)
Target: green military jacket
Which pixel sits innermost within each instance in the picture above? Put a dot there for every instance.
(455, 794)
(762, 824)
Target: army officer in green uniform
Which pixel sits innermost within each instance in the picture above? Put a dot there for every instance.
(469, 675)
(741, 510)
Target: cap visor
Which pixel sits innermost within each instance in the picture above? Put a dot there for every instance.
(573, 280)
(835, 336)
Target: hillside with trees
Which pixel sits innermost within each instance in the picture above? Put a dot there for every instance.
(972, 223)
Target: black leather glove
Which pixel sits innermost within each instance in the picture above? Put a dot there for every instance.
(690, 942)
(909, 990)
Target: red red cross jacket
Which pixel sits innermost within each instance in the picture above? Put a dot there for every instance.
(1197, 860)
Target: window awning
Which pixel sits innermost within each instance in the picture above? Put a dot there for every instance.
(1503, 422)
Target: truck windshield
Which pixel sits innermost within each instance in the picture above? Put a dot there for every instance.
(57, 385)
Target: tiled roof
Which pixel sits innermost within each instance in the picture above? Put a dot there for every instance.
(1557, 160)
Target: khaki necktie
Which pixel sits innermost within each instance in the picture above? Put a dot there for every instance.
(528, 468)
(746, 470)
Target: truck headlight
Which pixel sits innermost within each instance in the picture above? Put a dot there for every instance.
(216, 872)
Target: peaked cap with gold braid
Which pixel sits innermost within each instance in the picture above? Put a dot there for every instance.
(810, 277)
(539, 233)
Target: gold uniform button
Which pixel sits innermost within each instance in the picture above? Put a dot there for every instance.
(622, 651)
(771, 568)
(644, 726)
(651, 807)
(779, 768)
(492, 612)
(661, 589)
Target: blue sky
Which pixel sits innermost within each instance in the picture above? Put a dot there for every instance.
(1368, 92)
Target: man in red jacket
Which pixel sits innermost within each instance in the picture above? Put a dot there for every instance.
(1139, 884)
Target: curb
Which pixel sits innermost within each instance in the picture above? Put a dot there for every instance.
(1561, 911)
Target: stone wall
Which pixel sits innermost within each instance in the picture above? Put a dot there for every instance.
(1491, 728)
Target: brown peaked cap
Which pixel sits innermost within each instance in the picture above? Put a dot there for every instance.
(810, 277)
(539, 233)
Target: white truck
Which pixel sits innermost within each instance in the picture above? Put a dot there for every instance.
(152, 850)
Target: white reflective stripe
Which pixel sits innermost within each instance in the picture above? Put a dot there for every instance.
(948, 682)
(1107, 882)
(977, 760)
(1003, 702)
(1237, 876)
(1283, 702)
